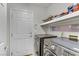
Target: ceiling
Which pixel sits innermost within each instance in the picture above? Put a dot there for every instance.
(42, 4)
(39, 4)
(34, 4)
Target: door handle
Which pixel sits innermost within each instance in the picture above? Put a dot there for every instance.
(5, 48)
(11, 34)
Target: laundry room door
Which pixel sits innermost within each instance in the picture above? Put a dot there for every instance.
(21, 32)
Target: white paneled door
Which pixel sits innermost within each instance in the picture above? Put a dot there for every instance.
(21, 32)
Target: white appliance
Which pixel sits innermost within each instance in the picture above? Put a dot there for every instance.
(43, 44)
(64, 51)
(49, 48)
(68, 52)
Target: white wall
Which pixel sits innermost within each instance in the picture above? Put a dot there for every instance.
(56, 8)
(39, 13)
(3, 23)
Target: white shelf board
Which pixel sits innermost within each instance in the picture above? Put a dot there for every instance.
(63, 18)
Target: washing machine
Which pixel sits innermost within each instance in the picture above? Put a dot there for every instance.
(49, 48)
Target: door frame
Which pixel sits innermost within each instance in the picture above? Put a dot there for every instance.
(11, 9)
